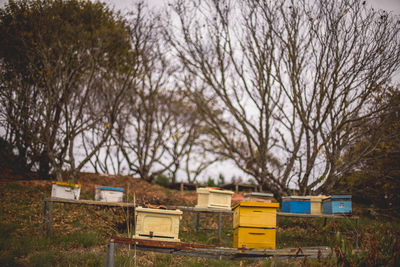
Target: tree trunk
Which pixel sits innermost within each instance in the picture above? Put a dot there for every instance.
(59, 176)
(44, 166)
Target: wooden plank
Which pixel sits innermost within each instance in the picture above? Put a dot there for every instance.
(206, 251)
(302, 215)
(283, 214)
(89, 202)
(191, 209)
(205, 210)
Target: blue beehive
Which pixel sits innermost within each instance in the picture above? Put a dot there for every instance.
(296, 204)
(337, 204)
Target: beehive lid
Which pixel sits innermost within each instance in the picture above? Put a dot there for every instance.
(338, 197)
(318, 198)
(256, 204)
(111, 188)
(159, 211)
(298, 198)
(207, 190)
(66, 184)
(259, 194)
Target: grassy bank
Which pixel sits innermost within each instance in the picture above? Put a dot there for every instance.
(80, 234)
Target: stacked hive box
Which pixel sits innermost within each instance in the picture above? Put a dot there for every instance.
(339, 204)
(254, 225)
(157, 224)
(316, 204)
(296, 204)
(213, 198)
(258, 197)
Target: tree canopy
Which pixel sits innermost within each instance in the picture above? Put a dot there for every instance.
(375, 179)
(55, 57)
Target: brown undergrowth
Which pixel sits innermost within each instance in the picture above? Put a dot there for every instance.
(80, 233)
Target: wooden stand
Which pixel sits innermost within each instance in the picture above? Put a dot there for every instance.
(52, 200)
(198, 250)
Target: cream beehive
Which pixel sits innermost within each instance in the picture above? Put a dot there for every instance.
(316, 204)
(213, 198)
(157, 224)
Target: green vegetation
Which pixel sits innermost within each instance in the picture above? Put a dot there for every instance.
(376, 180)
(49, 53)
(211, 182)
(80, 240)
(162, 180)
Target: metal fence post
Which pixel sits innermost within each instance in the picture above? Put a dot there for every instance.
(50, 218)
(43, 216)
(219, 225)
(110, 254)
(357, 233)
(197, 221)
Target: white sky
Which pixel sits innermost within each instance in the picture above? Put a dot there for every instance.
(389, 5)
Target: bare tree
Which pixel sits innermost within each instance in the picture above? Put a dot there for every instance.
(295, 80)
(187, 145)
(156, 128)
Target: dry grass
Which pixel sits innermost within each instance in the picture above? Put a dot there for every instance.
(80, 233)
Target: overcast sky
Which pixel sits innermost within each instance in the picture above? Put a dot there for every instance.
(389, 5)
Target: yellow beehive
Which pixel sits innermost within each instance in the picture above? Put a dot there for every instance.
(157, 224)
(255, 214)
(254, 225)
(254, 238)
(316, 204)
(213, 198)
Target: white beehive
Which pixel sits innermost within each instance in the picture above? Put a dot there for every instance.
(213, 198)
(65, 190)
(157, 224)
(109, 194)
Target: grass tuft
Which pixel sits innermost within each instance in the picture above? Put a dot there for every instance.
(79, 240)
(44, 258)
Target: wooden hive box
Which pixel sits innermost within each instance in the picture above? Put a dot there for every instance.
(109, 194)
(316, 204)
(254, 214)
(337, 204)
(65, 190)
(254, 225)
(157, 224)
(213, 198)
(296, 204)
(258, 197)
(254, 237)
